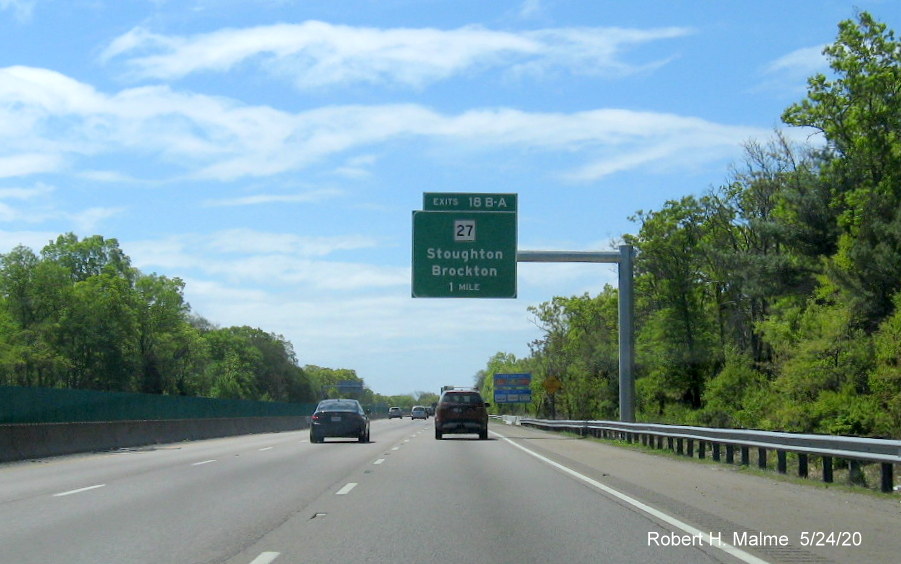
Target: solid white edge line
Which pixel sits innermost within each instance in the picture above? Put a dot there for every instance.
(725, 547)
(265, 558)
(79, 490)
(346, 489)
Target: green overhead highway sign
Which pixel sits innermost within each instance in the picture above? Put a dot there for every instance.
(465, 254)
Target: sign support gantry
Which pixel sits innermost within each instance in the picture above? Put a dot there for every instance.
(624, 259)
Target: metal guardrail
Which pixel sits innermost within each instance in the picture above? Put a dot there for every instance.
(682, 439)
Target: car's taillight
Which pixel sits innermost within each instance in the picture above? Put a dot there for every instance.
(315, 417)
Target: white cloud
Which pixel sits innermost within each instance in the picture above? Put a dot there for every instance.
(315, 54)
(802, 62)
(206, 137)
(87, 221)
(303, 198)
(246, 256)
(34, 240)
(530, 9)
(21, 9)
(790, 72)
(24, 164)
(38, 205)
(19, 193)
(242, 241)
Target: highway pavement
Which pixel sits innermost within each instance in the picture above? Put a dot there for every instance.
(522, 496)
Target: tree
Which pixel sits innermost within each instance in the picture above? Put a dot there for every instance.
(859, 115)
(160, 320)
(579, 349)
(97, 333)
(231, 373)
(677, 345)
(88, 257)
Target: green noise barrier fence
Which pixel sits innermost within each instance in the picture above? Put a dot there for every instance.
(48, 405)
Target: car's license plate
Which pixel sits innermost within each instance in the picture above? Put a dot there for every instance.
(336, 418)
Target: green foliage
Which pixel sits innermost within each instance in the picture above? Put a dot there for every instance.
(860, 117)
(885, 378)
(738, 396)
(579, 350)
(79, 316)
(773, 300)
(678, 342)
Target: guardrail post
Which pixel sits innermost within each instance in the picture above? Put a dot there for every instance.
(887, 478)
(702, 447)
(781, 464)
(761, 458)
(669, 443)
(691, 448)
(827, 469)
(745, 456)
(802, 466)
(855, 475)
(679, 447)
(716, 452)
(730, 454)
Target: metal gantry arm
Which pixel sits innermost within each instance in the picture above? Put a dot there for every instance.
(626, 311)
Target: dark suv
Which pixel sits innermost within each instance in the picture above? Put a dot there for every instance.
(461, 411)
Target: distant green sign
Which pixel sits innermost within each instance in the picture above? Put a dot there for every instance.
(464, 254)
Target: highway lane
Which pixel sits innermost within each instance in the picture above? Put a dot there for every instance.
(190, 502)
(465, 500)
(534, 497)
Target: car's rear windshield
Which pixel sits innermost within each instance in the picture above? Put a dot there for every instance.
(338, 406)
(462, 398)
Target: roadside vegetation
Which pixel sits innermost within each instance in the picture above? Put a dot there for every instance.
(78, 315)
(772, 301)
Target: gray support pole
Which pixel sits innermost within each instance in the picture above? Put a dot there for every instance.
(626, 336)
(626, 308)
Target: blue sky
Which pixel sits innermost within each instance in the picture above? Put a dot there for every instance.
(270, 152)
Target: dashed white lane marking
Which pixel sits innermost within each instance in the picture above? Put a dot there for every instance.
(379, 461)
(396, 448)
(79, 490)
(266, 448)
(204, 462)
(715, 543)
(266, 558)
(346, 489)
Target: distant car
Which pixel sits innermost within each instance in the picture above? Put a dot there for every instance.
(418, 412)
(339, 418)
(461, 411)
(395, 412)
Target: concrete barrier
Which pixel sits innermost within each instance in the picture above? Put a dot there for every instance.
(26, 441)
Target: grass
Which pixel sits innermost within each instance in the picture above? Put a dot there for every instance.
(868, 480)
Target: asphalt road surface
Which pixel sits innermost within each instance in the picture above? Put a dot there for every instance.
(522, 496)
